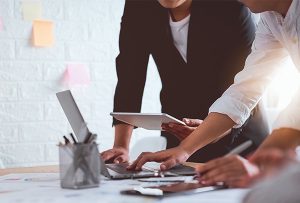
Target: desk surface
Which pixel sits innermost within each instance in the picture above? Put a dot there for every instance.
(41, 184)
(52, 169)
(39, 169)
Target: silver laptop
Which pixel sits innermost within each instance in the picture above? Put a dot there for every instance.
(113, 171)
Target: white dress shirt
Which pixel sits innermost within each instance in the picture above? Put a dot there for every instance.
(283, 187)
(180, 31)
(276, 38)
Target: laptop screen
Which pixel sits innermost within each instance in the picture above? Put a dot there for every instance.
(73, 114)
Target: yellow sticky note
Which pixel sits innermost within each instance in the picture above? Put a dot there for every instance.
(43, 35)
(31, 10)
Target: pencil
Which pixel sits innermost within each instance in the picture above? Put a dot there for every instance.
(73, 138)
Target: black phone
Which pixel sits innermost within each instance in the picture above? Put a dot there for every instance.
(171, 189)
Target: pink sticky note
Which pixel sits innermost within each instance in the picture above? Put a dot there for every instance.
(1, 24)
(77, 74)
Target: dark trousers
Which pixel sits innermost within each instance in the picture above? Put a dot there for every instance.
(256, 129)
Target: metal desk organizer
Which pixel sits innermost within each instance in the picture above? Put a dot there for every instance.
(79, 165)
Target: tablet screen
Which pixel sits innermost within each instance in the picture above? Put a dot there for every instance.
(149, 121)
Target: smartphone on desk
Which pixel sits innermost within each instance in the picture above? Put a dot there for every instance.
(171, 190)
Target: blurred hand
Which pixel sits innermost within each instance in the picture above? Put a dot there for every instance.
(115, 155)
(181, 131)
(233, 170)
(169, 158)
(271, 160)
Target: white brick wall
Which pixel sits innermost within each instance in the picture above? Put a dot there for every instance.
(31, 120)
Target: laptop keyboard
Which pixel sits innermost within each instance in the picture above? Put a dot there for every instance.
(182, 170)
(179, 169)
(122, 168)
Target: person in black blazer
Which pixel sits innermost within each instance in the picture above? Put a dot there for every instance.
(219, 38)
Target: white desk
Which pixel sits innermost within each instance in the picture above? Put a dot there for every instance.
(44, 187)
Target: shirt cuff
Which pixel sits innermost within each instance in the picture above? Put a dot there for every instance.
(288, 119)
(233, 108)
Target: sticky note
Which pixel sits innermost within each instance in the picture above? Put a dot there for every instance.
(77, 74)
(1, 24)
(43, 33)
(32, 10)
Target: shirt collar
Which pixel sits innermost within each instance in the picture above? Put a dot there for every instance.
(291, 15)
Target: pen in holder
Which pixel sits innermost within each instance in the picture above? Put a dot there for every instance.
(79, 165)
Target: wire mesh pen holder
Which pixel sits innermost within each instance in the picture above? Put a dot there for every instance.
(79, 166)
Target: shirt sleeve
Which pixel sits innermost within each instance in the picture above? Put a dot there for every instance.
(261, 67)
(132, 61)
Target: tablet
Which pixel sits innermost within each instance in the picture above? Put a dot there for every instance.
(149, 121)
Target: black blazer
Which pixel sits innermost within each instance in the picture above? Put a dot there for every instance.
(219, 40)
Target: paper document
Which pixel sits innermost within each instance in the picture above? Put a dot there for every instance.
(45, 187)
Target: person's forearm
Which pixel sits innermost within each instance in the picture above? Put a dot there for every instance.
(284, 138)
(213, 127)
(123, 135)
